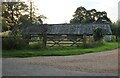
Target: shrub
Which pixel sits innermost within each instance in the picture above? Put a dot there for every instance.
(13, 43)
(36, 45)
(6, 34)
(98, 34)
(94, 44)
(21, 43)
(7, 43)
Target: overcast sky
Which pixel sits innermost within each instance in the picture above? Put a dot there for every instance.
(61, 11)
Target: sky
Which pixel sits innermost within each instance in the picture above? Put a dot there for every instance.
(61, 11)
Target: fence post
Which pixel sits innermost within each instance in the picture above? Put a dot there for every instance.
(44, 33)
(84, 39)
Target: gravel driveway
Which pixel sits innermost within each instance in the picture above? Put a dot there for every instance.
(102, 63)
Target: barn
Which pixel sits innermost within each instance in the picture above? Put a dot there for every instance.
(58, 33)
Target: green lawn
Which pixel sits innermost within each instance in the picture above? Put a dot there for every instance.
(58, 51)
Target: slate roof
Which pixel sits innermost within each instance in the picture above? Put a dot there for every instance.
(66, 29)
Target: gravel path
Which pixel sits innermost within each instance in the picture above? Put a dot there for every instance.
(102, 62)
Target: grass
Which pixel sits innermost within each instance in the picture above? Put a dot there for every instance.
(58, 51)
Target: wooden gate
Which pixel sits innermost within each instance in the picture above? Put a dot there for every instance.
(63, 40)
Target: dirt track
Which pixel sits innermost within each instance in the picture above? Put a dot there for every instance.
(102, 62)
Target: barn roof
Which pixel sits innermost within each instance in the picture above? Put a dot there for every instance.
(66, 29)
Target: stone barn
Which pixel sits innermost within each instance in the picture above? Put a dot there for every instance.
(58, 33)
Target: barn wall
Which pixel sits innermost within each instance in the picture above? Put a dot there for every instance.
(108, 37)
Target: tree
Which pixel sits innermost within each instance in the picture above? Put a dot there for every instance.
(115, 27)
(16, 13)
(35, 19)
(83, 15)
(11, 12)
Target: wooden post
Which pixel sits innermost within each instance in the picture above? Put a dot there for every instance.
(44, 33)
(84, 39)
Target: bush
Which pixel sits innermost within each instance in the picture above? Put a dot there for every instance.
(36, 45)
(6, 34)
(13, 43)
(94, 44)
(98, 34)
